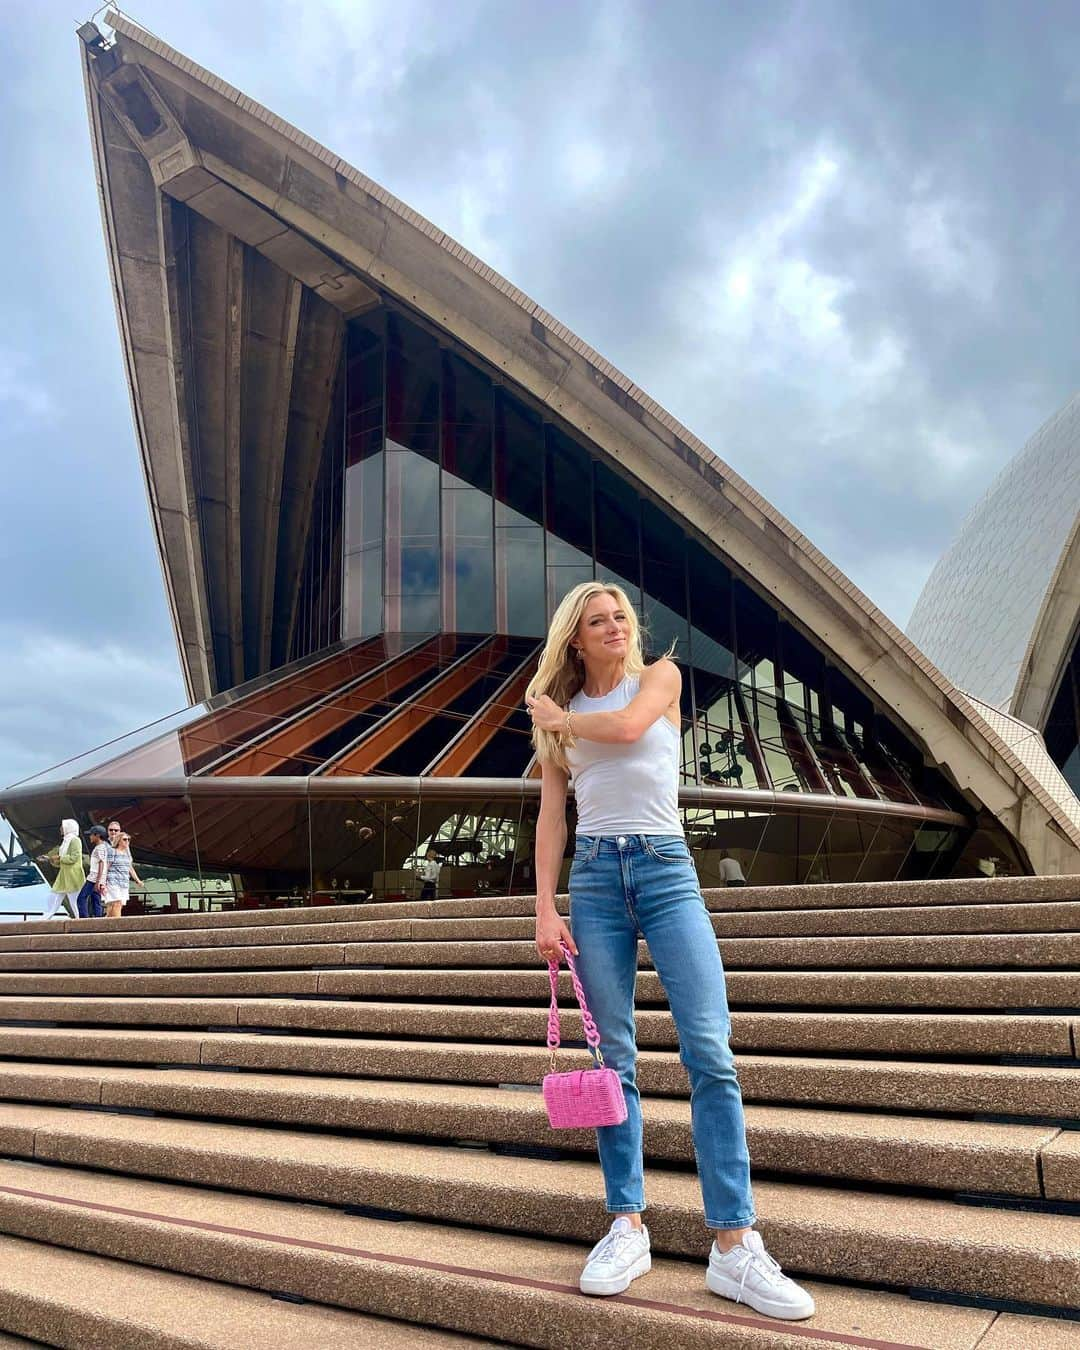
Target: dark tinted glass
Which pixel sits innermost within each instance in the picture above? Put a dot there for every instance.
(412, 387)
(618, 552)
(569, 500)
(364, 412)
(519, 463)
(755, 638)
(663, 555)
(467, 424)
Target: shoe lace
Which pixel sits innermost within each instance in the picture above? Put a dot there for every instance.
(766, 1267)
(610, 1247)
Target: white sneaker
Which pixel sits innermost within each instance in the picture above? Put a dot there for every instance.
(616, 1259)
(748, 1274)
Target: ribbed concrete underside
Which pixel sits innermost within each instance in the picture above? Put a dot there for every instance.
(340, 1105)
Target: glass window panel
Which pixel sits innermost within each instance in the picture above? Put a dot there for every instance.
(726, 748)
(569, 500)
(412, 387)
(412, 542)
(467, 423)
(663, 550)
(364, 593)
(419, 569)
(712, 642)
(519, 563)
(663, 583)
(803, 664)
(786, 770)
(617, 527)
(364, 394)
(420, 613)
(364, 498)
(264, 840)
(712, 833)
(560, 580)
(633, 593)
(1062, 738)
(355, 843)
(519, 463)
(468, 561)
(755, 634)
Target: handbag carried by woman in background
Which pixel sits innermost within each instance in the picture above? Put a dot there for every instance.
(583, 1098)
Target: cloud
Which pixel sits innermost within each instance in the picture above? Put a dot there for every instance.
(837, 240)
(61, 698)
(23, 397)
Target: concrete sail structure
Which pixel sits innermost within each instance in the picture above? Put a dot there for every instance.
(374, 467)
(999, 611)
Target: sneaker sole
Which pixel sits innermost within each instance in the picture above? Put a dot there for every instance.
(724, 1287)
(616, 1284)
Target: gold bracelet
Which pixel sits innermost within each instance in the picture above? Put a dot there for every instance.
(569, 730)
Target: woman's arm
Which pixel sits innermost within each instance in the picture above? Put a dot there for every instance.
(551, 929)
(134, 875)
(661, 686)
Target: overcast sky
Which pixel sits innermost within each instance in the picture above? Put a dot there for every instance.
(837, 240)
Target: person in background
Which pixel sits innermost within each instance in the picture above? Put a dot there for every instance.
(91, 904)
(68, 860)
(429, 871)
(121, 873)
(731, 874)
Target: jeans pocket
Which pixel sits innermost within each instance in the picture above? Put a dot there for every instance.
(583, 852)
(668, 850)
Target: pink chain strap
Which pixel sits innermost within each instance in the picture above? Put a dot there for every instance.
(592, 1035)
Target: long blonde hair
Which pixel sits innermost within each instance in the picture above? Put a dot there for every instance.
(561, 672)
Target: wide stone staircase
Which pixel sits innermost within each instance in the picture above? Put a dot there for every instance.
(322, 1127)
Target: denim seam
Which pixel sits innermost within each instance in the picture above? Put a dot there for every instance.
(626, 1209)
(748, 1222)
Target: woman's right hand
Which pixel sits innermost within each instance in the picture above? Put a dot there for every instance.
(551, 930)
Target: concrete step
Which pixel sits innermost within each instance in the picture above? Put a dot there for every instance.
(899, 1150)
(517, 1288)
(843, 1233)
(955, 1088)
(1027, 950)
(1035, 917)
(969, 990)
(882, 895)
(188, 958)
(934, 1033)
(286, 983)
(70, 1299)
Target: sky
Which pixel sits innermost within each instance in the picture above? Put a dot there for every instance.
(835, 239)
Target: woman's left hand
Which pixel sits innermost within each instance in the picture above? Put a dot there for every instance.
(546, 713)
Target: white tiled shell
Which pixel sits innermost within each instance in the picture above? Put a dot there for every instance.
(979, 606)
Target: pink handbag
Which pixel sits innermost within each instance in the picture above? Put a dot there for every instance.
(585, 1098)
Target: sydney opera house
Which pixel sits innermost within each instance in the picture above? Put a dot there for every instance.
(374, 467)
(999, 612)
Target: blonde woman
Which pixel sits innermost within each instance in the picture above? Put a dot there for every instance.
(120, 875)
(67, 858)
(610, 724)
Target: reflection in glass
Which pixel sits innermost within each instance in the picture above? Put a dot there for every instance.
(484, 847)
(412, 541)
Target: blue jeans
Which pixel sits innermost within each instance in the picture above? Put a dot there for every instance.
(623, 887)
(91, 905)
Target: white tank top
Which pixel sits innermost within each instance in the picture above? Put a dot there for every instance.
(626, 789)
